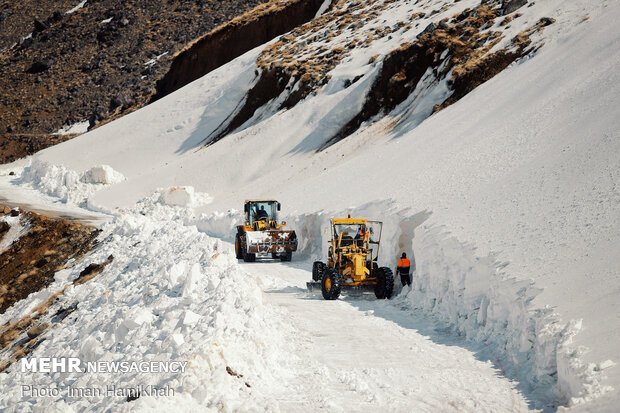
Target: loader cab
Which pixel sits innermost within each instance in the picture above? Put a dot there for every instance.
(261, 210)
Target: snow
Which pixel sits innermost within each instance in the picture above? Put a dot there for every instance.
(76, 8)
(68, 185)
(509, 200)
(102, 174)
(183, 196)
(155, 59)
(323, 8)
(18, 227)
(32, 199)
(77, 128)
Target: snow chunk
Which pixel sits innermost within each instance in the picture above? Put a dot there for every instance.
(178, 339)
(190, 282)
(102, 174)
(605, 365)
(190, 318)
(184, 196)
(176, 273)
(138, 317)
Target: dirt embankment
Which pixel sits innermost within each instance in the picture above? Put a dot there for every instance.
(29, 265)
(96, 63)
(233, 39)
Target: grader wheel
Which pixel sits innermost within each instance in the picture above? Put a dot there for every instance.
(238, 244)
(318, 268)
(385, 283)
(331, 284)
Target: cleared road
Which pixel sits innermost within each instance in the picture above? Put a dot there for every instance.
(362, 354)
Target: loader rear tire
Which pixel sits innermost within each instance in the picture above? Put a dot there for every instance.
(288, 255)
(318, 268)
(385, 283)
(331, 284)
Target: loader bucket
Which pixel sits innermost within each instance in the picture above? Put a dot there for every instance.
(274, 241)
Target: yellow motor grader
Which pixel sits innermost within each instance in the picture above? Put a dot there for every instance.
(261, 233)
(352, 261)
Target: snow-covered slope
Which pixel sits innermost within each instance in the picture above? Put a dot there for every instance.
(519, 178)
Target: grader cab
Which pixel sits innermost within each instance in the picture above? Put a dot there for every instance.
(352, 261)
(261, 234)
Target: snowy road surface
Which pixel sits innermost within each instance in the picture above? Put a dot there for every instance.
(361, 354)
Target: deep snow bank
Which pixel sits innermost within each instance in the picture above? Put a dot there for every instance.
(170, 293)
(475, 296)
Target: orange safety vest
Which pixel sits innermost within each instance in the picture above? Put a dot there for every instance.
(404, 262)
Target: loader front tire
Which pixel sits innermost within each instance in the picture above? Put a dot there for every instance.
(287, 256)
(247, 256)
(385, 283)
(331, 284)
(318, 268)
(238, 247)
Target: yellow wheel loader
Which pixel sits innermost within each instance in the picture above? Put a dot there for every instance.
(260, 234)
(352, 261)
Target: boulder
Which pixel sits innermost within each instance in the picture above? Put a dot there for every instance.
(37, 330)
(510, 6)
(39, 66)
(121, 100)
(40, 26)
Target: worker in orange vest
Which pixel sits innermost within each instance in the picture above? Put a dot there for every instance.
(361, 236)
(404, 265)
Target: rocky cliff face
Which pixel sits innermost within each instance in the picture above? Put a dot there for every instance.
(61, 64)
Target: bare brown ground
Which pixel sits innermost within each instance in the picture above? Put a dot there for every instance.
(29, 266)
(30, 263)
